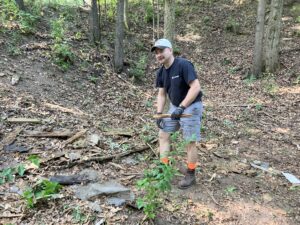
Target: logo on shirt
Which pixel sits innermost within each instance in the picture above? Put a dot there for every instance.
(174, 77)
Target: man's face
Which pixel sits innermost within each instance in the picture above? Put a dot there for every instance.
(163, 55)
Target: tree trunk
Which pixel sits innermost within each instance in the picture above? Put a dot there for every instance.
(94, 23)
(20, 4)
(125, 14)
(169, 20)
(273, 36)
(259, 38)
(119, 51)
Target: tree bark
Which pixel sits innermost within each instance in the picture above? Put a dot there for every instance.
(259, 39)
(273, 36)
(20, 4)
(125, 14)
(119, 51)
(94, 23)
(169, 20)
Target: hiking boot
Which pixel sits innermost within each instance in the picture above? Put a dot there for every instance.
(188, 180)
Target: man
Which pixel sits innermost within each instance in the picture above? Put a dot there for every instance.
(177, 79)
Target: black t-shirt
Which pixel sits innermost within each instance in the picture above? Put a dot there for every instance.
(176, 80)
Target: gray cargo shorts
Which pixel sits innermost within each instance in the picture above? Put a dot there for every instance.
(190, 126)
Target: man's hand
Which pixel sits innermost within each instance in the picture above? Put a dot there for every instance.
(177, 113)
(160, 122)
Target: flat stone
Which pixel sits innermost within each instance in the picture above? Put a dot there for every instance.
(108, 188)
(116, 201)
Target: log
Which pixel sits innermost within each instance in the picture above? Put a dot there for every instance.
(160, 116)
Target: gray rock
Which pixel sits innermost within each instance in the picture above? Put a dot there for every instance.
(74, 156)
(129, 161)
(116, 201)
(93, 139)
(95, 206)
(89, 174)
(108, 188)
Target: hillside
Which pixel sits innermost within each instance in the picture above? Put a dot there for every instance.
(246, 120)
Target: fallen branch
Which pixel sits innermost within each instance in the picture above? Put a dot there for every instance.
(74, 137)
(106, 158)
(23, 120)
(11, 215)
(56, 134)
(63, 109)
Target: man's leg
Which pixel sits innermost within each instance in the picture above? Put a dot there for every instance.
(164, 146)
(191, 132)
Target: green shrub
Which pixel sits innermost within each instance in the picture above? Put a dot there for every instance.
(42, 190)
(138, 72)
(233, 26)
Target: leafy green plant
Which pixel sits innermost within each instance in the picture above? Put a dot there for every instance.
(78, 216)
(230, 189)
(62, 53)
(8, 174)
(27, 22)
(138, 71)
(42, 190)
(34, 159)
(155, 183)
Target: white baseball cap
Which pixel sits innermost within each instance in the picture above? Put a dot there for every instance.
(161, 44)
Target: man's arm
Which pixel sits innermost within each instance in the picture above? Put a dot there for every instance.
(192, 93)
(161, 100)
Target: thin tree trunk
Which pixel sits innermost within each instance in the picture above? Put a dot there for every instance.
(273, 36)
(169, 20)
(20, 4)
(119, 51)
(157, 10)
(125, 14)
(259, 37)
(94, 22)
(153, 21)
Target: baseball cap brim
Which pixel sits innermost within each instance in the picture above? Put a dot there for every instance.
(160, 47)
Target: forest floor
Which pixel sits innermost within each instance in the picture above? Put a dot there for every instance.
(246, 121)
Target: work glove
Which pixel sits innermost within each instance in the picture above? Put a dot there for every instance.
(177, 113)
(160, 122)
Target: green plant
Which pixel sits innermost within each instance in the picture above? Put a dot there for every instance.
(78, 216)
(138, 72)
(42, 190)
(206, 20)
(93, 78)
(8, 174)
(27, 22)
(155, 183)
(250, 79)
(63, 56)
(148, 16)
(233, 26)
(35, 160)
(230, 189)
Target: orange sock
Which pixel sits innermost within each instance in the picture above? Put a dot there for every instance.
(191, 166)
(164, 160)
